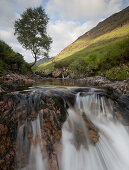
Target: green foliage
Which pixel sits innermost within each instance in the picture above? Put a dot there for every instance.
(118, 73)
(49, 67)
(31, 32)
(2, 67)
(11, 61)
(97, 60)
(25, 68)
(61, 64)
(79, 68)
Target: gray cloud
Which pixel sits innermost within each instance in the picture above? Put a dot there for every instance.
(7, 13)
(83, 9)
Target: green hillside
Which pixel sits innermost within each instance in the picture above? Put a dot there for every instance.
(11, 61)
(104, 50)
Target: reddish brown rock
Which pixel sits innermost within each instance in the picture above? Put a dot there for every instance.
(57, 73)
(3, 129)
(92, 130)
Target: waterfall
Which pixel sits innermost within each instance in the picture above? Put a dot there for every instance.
(93, 138)
(63, 76)
(34, 158)
(111, 152)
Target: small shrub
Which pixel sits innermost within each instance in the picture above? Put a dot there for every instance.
(79, 68)
(118, 73)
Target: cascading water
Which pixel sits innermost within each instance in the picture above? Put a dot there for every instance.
(34, 150)
(111, 152)
(102, 146)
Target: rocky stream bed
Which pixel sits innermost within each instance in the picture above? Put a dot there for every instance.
(19, 109)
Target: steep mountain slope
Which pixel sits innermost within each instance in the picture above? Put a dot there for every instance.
(102, 50)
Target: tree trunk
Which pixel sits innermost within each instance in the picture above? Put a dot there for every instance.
(35, 57)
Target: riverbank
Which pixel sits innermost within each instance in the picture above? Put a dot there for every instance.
(118, 86)
(13, 81)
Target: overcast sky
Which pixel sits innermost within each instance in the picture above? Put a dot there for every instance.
(68, 19)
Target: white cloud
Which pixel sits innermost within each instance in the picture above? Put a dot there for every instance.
(28, 3)
(82, 9)
(65, 32)
(9, 10)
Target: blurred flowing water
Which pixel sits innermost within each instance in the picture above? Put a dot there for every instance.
(34, 153)
(111, 151)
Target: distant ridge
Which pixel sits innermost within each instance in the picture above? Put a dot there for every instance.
(41, 61)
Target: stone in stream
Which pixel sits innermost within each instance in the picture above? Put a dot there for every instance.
(92, 130)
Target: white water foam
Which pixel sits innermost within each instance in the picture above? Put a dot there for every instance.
(111, 151)
(35, 155)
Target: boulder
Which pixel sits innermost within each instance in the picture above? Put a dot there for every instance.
(57, 73)
(47, 73)
(72, 75)
(65, 72)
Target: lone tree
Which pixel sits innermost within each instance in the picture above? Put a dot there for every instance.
(31, 32)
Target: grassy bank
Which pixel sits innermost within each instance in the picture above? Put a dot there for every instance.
(107, 54)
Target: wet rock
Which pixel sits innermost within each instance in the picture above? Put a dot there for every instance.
(72, 75)
(92, 130)
(121, 87)
(25, 108)
(57, 73)
(47, 73)
(22, 109)
(3, 129)
(65, 72)
(53, 164)
(13, 81)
